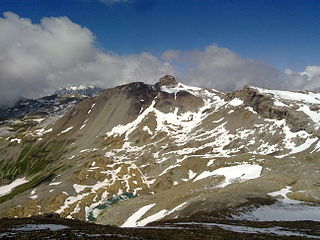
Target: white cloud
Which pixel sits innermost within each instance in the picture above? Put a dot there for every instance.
(36, 59)
(222, 69)
(309, 79)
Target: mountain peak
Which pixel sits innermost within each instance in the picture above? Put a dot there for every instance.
(80, 87)
(88, 91)
(167, 80)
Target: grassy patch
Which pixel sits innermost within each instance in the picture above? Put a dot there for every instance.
(23, 187)
(33, 159)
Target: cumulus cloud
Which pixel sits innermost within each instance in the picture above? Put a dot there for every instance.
(222, 69)
(36, 59)
(309, 79)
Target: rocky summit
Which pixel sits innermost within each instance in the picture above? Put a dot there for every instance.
(140, 153)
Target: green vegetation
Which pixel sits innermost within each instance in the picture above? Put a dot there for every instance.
(38, 160)
(33, 159)
(23, 187)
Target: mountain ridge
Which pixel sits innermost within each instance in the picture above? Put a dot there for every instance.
(177, 150)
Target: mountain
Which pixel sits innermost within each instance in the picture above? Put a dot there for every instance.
(57, 104)
(86, 91)
(139, 153)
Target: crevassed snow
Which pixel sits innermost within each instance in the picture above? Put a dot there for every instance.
(132, 220)
(235, 173)
(6, 189)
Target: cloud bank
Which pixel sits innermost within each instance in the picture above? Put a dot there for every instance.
(222, 69)
(37, 59)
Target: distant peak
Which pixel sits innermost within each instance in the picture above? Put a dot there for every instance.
(80, 87)
(88, 91)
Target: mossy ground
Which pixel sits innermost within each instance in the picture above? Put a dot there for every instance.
(33, 159)
(38, 162)
(21, 188)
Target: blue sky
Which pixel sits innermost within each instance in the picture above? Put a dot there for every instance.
(222, 44)
(285, 33)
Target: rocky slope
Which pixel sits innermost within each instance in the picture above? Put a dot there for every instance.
(57, 104)
(139, 153)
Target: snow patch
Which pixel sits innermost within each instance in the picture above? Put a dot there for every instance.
(66, 130)
(15, 140)
(233, 174)
(236, 102)
(147, 129)
(133, 219)
(283, 193)
(6, 189)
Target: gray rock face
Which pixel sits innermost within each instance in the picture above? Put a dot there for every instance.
(167, 81)
(58, 103)
(264, 105)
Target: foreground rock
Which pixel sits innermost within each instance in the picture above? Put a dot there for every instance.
(198, 227)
